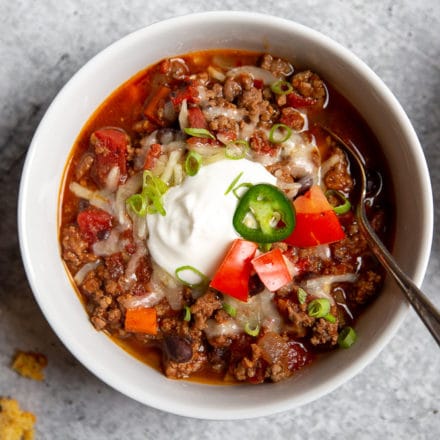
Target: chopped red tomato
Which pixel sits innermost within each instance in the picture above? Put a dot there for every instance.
(196, 118)
(189, 93)
(272, 269)
(316, 222)
(110, 148)
(153, 153)
(296, 100)
(232, 277)
(94, 224)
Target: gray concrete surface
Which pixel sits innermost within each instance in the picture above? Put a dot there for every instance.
(42, 44)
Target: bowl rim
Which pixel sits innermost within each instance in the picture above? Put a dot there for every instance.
(367, 356)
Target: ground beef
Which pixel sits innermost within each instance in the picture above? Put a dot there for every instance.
(365, 288)
(294, 313)
(324, 332)
(231, 89)
(204, 307)
(277, 66)
(292, 118)
(309, 85)
(249, 368)
(338, 177)
(75, 250)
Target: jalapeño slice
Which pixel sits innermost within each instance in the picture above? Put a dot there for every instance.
(264, 214)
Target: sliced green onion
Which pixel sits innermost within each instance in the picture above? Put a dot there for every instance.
(344, 206)
(237, 149)
(149, 200)
(251, 331)
(347, 337)
(281, 87)
(193, 162)
(138, 204)
(318, 308)
(330, 318)
(233, 183)
(302, 295)
(199, 132)
(193, 271)
(230, 310)
(246, 185)
(187, 313)
(276, 135)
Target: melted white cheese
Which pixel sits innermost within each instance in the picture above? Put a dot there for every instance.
(197, 229)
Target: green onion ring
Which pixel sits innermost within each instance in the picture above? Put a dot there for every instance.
(193, 162)
(237, 149)
(138, 204)
(345, 204)
(251, 331)
(278, 127)
(203, 277)
(347, 337)
(230, 310)
(318, 308)
(199, 132)
(281, 87)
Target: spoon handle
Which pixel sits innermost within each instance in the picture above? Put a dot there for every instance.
(422, 305)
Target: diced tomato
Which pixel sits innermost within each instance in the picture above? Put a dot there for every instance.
(232, 277)
(272, 269)
(258, 83)
(196, 118)
(296, 100)
(110, 148)
(316, 222)
(313, 201)
(93, 224)
(153, 153)
(189, 93)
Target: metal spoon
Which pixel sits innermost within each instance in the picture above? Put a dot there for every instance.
(422, 305)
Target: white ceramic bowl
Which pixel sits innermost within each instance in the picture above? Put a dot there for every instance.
(43, 172)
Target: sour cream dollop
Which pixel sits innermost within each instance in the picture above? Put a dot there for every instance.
(197, 229)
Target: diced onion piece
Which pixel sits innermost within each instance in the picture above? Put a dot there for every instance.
(329, 164)
(96, 198)
(150, 299)
(212, 112)
(161, 281)
(172, 161)
(109, 246)
(216, 74)
(132, 186)
(130, 271)
(256, 73)
(183, 116)
(85, 269)
(112, 179)
(228, 328)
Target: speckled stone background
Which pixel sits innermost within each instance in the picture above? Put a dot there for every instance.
(42, 44)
